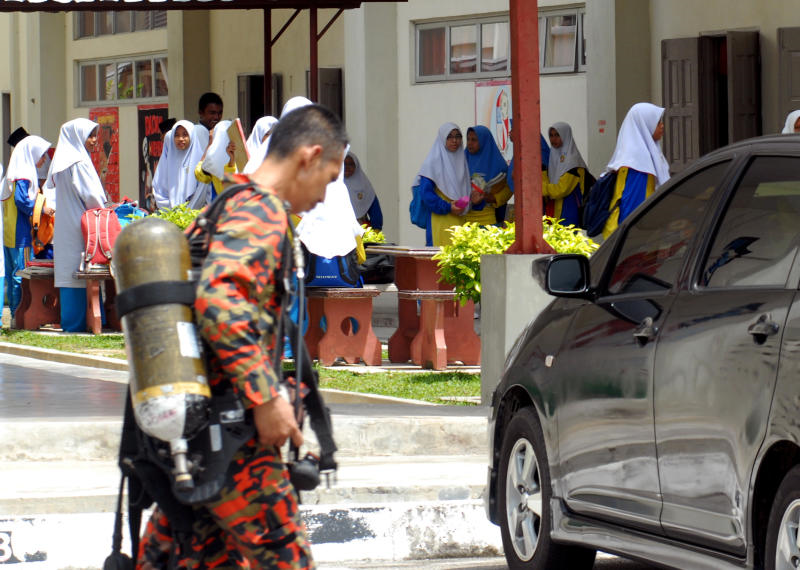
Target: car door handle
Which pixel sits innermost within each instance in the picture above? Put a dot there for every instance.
(646, 331)
(763, 328)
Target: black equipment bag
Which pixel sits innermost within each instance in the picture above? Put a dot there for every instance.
(597, 207)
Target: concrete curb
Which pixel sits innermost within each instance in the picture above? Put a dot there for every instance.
(117, 364)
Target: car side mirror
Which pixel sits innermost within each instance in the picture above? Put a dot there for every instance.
(568, 276)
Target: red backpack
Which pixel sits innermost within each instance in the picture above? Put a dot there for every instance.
(100, 227)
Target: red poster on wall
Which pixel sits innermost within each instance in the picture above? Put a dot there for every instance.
(106, 154)
(150, 118)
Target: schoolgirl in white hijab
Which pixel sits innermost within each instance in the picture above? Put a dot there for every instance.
(362, 194)
(330, 229)
(171, 186)
(447, 171)
(792, 123)
(565, 186)
(639, 154)
(23, 163)
(257, 139)
(636, 148)
(79, 189)
(201, 194)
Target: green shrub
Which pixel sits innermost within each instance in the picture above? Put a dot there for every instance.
(181, 215)
(460, 262)
(371, 235)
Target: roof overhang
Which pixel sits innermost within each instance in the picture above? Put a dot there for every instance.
(97, 5)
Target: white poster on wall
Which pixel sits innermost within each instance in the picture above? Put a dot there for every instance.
(493, 110)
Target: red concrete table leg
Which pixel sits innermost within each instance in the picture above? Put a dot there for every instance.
(38, 305)
(23, 309)
(463, 343)
(314, 333)
(429, 349)
(339, 339)
(407, 327)
(94, 317)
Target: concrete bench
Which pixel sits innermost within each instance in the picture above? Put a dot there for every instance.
(340, 339)
(99, 281)
(444, 332)
(39, 303)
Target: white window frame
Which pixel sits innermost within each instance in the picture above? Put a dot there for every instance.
(455, 23)
(115, 100)
(76, 27)
(577, 65)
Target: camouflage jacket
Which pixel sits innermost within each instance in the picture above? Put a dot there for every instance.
(238, 301)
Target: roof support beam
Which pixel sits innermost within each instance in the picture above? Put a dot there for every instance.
(268, 60)
(329, 24)
(524, 28)
(313, 90)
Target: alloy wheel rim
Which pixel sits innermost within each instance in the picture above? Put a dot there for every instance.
(523, 499)
(787, 553)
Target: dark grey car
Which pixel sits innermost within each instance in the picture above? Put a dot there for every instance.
(653, 409)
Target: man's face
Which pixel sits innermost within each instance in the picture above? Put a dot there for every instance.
(312, 179)
(211, 115)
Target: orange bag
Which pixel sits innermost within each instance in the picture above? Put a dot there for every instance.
(43, 225)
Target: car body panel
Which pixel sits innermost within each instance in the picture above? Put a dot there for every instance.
(711, 477)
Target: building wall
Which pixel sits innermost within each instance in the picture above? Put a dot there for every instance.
(236, 42)
(688, 18)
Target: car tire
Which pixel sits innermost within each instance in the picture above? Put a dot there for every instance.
(524, 501)
(781, 550)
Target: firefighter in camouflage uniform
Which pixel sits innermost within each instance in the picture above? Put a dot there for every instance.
(254, 522)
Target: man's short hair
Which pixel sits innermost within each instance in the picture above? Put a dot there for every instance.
(207, 99)
(308, 126)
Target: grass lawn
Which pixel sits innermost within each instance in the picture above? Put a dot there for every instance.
(110, 345)
(426, 386)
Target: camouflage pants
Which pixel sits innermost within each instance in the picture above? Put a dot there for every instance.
(254, 523)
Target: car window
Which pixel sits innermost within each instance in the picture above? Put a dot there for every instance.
(654, 246)
(759, 233)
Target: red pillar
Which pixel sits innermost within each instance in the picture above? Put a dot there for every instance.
(524, 23)
(267, 61)
(313, 90)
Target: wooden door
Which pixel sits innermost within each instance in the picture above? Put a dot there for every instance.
(680, 74)
(789, 75)
(744, 86)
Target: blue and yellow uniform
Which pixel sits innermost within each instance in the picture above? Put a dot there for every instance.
(564, 199)
(632, 188)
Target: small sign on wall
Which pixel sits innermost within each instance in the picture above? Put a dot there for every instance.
(106, 154)
(493, 109)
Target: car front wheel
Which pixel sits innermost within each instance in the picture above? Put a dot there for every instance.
(783, 548)
(525, 501)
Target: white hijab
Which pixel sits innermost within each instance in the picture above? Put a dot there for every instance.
(260, 129)
(217, 154)
(788, 128)
(636, 148)
(362, 194)
(330, 228)
(448, 170)
(169, 186)
(200, 192)
(22, 165)
(565, 158)
(71, 147)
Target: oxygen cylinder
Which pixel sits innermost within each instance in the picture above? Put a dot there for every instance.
(168, 384)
